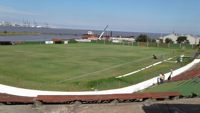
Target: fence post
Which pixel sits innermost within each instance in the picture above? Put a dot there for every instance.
(157, 44)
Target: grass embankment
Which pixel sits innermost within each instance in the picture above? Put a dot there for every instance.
(76, 67)
(186, 87)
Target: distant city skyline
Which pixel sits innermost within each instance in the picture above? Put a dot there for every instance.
(156, 16)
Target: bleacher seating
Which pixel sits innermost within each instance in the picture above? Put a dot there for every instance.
(187, 88)
(65, 99)
(187, 75)
(12, 99)
(187, 83)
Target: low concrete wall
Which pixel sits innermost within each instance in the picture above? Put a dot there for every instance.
(129, 89)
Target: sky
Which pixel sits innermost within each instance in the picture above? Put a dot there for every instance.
(156, 16)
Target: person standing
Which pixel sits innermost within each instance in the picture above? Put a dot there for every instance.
(170, 76)
(161, 78)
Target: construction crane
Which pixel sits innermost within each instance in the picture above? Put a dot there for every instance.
(103, 32)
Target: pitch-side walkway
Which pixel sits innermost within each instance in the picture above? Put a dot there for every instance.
(129, 89)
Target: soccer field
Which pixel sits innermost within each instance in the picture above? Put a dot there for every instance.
(80, 67)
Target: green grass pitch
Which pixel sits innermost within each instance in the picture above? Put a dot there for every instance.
(80, 67)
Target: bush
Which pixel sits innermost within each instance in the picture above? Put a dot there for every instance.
(168, 40)
(5, 43)
(182, 39)
(72, 41)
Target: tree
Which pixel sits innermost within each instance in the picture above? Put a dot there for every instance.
(142, 38)
(5, 32)
(182, 39)
(161, 41)
(153, 40)
(168, 40)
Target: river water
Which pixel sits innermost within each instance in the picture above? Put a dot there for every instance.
(37, 37)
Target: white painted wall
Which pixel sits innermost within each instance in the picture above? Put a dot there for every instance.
(116, 39)
(125, 90)
(48, 42)
(83, 40)
(66, 42)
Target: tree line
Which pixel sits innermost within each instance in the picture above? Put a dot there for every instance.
(146, 38)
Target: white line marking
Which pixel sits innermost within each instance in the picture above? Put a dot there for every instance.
(111, 67)
(125, 90)
(131, 73)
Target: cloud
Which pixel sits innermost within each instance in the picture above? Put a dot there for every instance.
(5, 10)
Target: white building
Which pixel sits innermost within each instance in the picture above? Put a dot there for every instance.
(174, 37)
(90, 33)
(193, 39)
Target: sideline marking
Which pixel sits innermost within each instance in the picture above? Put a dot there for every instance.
(125, 90)
(111, 67)
(131, 73)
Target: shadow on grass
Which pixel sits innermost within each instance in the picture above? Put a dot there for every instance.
(108, 83)
(172, 108)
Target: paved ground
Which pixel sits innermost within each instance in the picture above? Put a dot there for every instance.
(175, 106)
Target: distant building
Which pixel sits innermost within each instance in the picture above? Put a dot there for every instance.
(57, 40)
(4, 23)
(193, 39)
(90, 36)
(174, 37)
(90, 33)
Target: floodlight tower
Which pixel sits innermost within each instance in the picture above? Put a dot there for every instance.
(103, 32)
